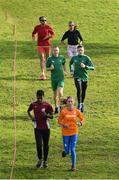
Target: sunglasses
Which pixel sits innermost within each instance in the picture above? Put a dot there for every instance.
(71, 24)
(43, 20)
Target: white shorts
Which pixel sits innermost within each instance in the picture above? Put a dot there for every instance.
(72, 50)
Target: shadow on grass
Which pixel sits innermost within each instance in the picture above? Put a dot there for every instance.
(20, 117)
(23, 78)
(28, 49)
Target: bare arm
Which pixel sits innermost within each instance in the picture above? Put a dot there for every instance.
(30, 115)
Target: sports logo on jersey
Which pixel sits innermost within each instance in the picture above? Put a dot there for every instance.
(35, 106)
(43, 110)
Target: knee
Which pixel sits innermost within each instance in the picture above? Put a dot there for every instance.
(46, 146)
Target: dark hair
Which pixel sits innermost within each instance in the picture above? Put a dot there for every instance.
(80, 46)
(40, 93)
(40, 18)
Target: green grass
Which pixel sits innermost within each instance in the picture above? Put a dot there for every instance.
(98, 145)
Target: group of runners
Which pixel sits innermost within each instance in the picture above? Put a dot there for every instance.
(70, 117)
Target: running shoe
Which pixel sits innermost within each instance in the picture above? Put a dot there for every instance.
(42, 77)
(73, 168)
(39, 163)
(45, 164)
(63, 154)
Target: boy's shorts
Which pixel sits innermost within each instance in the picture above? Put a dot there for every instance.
(44, 49)
(57, 84)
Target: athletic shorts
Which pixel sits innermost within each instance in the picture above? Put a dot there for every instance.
(72, 50)
(57, 84)
(44, 49)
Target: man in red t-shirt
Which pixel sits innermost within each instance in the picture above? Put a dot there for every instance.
(43, 111)
(44, 34)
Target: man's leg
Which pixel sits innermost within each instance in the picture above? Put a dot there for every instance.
(42, 57)
(47, 52)
(56, 101)
(38, 138)
(60, 95)
(55, 95)
(46, 136)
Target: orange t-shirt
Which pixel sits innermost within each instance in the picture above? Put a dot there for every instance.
(69, 118)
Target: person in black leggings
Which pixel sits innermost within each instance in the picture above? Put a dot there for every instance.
(82, 63)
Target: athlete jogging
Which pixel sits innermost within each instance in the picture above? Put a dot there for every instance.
(45, 33)
(69, 124)
(72, 35)
(56, 64)
(42, 113)
(82, 63)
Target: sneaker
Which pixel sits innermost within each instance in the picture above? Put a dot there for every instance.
(56, 110)
(82, 107)
(45, 164)
(78, 107)
(42, 77)
(39, 164)
(63, 154)
(73, 168)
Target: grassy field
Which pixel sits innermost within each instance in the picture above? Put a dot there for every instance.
(98, 145)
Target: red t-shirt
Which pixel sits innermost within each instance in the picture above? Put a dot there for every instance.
(41, 121)
(43, 31)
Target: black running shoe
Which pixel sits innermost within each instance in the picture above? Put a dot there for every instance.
(39, 164)
(56, 110)
(45, 164)
(63, 154)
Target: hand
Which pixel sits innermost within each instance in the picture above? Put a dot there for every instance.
(81, 43)
(46, 37)
(82, 65)
(65, 73)
(65, 126)
(62, 42)
(51, 67)
(79, 124)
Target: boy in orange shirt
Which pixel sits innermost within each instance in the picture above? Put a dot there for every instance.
(68, 121)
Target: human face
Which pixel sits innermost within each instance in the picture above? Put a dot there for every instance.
(70, 103)
(81, 50)
(43, 21)
(71, 26)
(56, 51)
(40, 99)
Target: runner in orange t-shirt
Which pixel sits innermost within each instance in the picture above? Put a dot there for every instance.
(68, 121)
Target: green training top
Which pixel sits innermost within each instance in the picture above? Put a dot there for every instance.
(79, 72)
(57, 74)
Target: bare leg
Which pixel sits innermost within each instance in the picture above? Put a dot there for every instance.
(42, 62)
(55, 98)
(60, 95)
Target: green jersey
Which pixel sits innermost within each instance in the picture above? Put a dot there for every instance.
(79, 72)
(57, 74)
